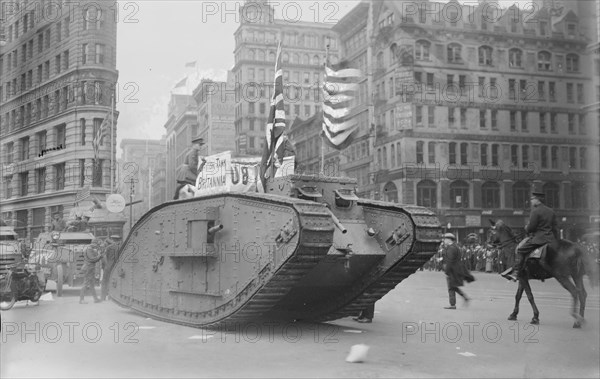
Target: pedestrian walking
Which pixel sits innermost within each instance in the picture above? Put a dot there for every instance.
(110, 258)
(92, 255)
(456, 273)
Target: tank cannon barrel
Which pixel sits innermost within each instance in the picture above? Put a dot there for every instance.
(215, 229)
(337, 223)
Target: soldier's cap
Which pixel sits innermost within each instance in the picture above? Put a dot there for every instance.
(450, 235)
(539, 195)
(198, 140)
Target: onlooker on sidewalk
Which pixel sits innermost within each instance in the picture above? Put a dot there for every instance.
(92, 255)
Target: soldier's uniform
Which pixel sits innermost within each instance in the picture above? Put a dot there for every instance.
(454, 272)
(110, 258)
(543, 227)
(188, 172)
(92, 255)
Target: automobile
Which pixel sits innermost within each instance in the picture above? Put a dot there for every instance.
(61, 256)
(10, 249)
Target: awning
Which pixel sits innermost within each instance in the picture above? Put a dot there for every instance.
(346, 194)
(309, 192)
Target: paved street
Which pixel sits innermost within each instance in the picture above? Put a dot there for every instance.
(412, 336)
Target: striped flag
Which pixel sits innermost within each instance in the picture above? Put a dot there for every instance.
(82, 194)
(99, 133)
(340, 87)
(276, 120)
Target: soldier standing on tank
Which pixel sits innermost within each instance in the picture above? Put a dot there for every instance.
(188, 172)
(110, 257)
(58, 223)
(92, 255)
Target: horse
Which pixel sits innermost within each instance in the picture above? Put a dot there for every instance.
(568, 261)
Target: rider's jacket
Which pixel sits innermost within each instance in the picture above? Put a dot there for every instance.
(542, 224)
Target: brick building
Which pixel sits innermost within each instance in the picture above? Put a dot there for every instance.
(57, 78)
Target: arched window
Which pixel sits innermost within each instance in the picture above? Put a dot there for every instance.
(392, 156)
(315, 60)
(579, 195)
(305, 59)
(551, 190)
(390, 192)
(520, 193)
(422, 50)
(454, 53)
(261, 55)
(490, 195)
(295, 58)
(251, 55)
(380, 63)
(459, 194)
(286, 57)
(515, 58)
(385, 157)
(485, 55)
(427, 194)
(572, 63)
(271, 56)
(393, 53)
(544, 61)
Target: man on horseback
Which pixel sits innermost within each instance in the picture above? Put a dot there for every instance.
(542, 226)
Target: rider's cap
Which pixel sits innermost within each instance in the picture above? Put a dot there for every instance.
(539, 195)
(450, 235)
(198, 140)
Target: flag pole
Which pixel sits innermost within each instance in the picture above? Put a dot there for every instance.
(322, 104)
(112, 141)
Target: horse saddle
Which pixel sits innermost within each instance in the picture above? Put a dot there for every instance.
(539, 253)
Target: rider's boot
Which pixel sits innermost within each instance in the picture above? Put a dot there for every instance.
(512, 273)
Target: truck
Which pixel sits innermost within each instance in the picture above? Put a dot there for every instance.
(61, 256)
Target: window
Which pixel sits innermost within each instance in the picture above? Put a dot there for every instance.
(571, 123)
(430, 81)
(582, 128)
(451, 118)
(554, 157)
(495, 155)
(420, 145)
(484, 155)
(380, 63)
(582, 158)
(579, 195)
(454, 53)
(543, 122)
(452, 153)
(490, 195)
(24, 149)
(47, 38)
(422, 50)
(544, 61)
(262, 108)
(525, 156)
(520, 193)
(463, 118)
(551, 190)
(544, 156)
(513, 121)
(494, 120)
(431, 115)
(24, 179)
(485, 56)
(60, 134)
(40, 179)
(573, 157)
(482, 119)
(459, 194)
(543, 28)
(99, 53)
(580, 94)
(542, 91)
(57, 64)
(431, 152)
(464, 156)
(553, 123)
(512, 89)
(552, 92)
(514, 156)
(393, 54)
(427, 194)
(570, 95)
(251, 108)
(524, 126)
(419, 115)
(515, 58)
(481, 86)
(97, 175)
(572, 63)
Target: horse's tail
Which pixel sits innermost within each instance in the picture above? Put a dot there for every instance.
(587, 265)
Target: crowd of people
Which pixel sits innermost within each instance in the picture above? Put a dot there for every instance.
(591, 248)
(475, 257)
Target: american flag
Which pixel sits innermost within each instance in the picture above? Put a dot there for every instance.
(276, 121)
(99, 133)
(340, 87)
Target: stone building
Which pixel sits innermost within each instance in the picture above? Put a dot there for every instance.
(57, 79)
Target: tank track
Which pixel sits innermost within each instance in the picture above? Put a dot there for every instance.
(316, 237)
(426, 232)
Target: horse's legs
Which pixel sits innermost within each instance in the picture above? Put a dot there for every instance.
(536, 313)
(518, 295)
(582, 299)
(569, 286)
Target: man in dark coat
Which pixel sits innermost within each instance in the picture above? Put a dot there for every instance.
(455, 272)
(111, 253)
(188, 172)
(543, 229)
(92, 255)
(58, 224)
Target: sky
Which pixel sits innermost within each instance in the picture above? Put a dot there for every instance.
(157, 38)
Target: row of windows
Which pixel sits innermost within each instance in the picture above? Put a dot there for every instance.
(485, 56)
(515, 21)
(81, 93)
(293, 58)
(40, 185)
(91, 54)
(427, 192)
(486, 155)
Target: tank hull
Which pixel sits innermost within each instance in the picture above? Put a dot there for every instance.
(275, 257)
